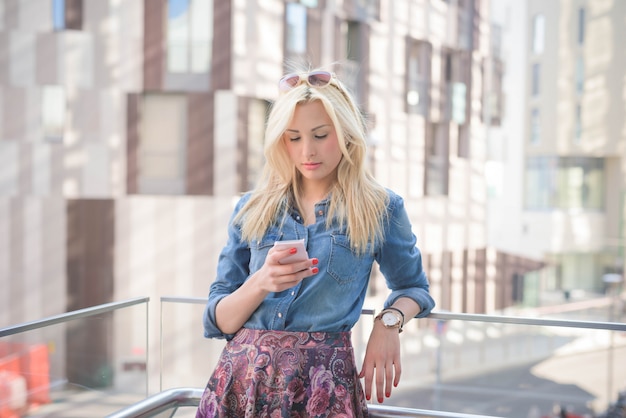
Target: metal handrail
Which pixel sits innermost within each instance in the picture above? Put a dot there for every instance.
(80, 313)
(177, 397)
(521, 320)
(448, 316)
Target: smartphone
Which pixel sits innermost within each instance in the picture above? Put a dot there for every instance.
(300, 254)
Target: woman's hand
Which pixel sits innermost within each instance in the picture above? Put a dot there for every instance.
(381, 364)
(235, 309)
(275, 276)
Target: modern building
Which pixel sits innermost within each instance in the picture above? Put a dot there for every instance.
(564, 201)
(129, 128)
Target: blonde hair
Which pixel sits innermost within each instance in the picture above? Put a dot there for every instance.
(357, 200)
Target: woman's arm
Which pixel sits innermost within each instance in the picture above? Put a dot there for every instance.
(382, 363)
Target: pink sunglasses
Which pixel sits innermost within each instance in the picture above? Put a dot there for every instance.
(313, 79)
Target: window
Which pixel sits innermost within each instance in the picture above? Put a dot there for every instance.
(350, 66)
(418, 77)
(578, 126)
(257, 114)
(295, 32)
(535, 126)
(539, 33)
(67, 14)
(581, 26)
(189, 35)
(536, 79)
(53, 112)
(162, 146)
(455, 95)
(436, 161)
(554, 182)
(580, 75)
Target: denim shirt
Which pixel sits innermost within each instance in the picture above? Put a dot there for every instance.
(332, 299)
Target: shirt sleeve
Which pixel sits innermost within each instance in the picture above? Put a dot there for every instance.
(400, 260)
(232, 272)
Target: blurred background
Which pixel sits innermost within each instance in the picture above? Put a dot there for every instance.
(128, 128)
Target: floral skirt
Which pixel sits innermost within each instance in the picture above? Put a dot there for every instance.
(285, 374)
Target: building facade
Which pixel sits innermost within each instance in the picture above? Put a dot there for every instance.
(129, 128)
(564, 202)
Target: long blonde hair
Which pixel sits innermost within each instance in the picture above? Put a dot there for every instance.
(357, 200)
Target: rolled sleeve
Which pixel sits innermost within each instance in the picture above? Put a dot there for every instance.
(232, 272)
(401, 261)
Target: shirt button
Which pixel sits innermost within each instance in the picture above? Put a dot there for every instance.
(280, 315)
(293, 293)
(320, 212)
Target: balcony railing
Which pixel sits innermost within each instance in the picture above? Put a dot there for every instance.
(454, 365)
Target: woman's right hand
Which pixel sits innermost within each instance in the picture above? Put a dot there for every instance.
(234, 310)
(276, 276)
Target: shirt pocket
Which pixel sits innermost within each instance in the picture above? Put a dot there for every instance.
(260, 248)
(344, 265)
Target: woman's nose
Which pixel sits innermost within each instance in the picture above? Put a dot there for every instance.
(308, 148)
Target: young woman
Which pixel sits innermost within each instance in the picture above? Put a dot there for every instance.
(288, 322)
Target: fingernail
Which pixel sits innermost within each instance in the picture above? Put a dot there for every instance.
(388, 394)
(368, 397)
(293, 251)
(315, 270)
(315, 261)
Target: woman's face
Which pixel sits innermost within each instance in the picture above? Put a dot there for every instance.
(311, 142)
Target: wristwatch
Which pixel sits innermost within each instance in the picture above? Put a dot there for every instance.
(391, 318)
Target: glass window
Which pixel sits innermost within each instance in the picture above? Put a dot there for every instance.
(417, 77)
(257, 114)
(581, 26)
(578, 126)
(295, 36)
(536, 79)
(189, 35)
(539, 33)
(67, 14)
(580, 75)
(437, 162)
(162, 149)
(53, 112)
(535, 126)
(564, 183)
(58, 14)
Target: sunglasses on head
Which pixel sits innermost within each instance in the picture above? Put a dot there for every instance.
(313, 79)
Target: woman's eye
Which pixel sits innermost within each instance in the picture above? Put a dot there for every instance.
(321, 136)
(294, 139)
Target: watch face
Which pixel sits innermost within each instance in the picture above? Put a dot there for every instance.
(390, 319)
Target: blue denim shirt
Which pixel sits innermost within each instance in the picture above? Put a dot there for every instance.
(332, 299)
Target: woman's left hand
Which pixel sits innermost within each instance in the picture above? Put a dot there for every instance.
(381, 364)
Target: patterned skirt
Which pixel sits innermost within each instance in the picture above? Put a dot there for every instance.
(285, 374)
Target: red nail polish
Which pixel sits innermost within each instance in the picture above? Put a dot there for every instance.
(315, 270)
(387, 394)
(293, 251)
(315, 261)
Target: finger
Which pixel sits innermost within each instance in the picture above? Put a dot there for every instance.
(368, 383)
(396, 378)
(388, 379)
(380, 381)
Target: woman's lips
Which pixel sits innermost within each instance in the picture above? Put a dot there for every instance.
(311, 166)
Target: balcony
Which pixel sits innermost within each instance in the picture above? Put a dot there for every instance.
(454, 365)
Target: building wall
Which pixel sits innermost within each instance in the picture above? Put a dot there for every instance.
(57, 193)
(562, 236)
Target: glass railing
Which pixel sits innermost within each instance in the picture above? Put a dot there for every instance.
(85, 363)
(508, 366)
(95, 362)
